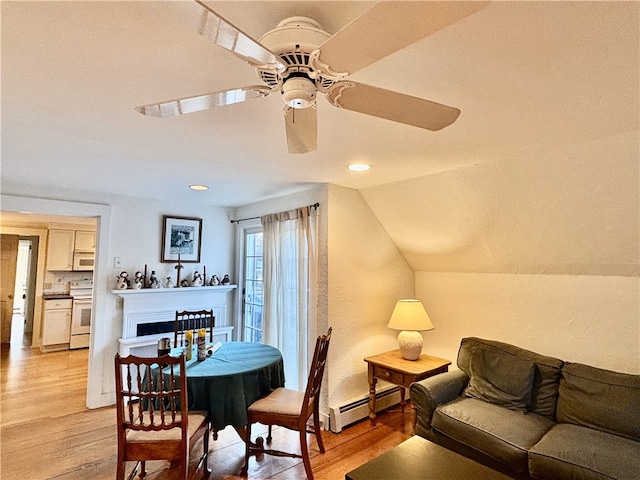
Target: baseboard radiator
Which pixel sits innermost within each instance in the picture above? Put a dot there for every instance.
(358, 408)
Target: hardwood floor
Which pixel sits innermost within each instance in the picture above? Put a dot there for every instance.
(47, 433)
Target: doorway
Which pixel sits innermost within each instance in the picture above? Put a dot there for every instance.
(24, 292)
(12, 221)
(19, 271)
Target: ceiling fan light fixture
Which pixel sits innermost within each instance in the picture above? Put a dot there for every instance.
(359, 167)
(299, 92)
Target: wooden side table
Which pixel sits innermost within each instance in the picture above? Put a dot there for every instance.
(392, 368)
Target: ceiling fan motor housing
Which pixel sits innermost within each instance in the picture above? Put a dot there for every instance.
(299, 92)
(293, 40)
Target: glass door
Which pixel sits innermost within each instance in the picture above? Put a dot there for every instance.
(252, 293)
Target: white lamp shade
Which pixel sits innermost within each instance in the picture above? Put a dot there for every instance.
(409, 314)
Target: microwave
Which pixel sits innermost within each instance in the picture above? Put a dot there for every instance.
(83, 261)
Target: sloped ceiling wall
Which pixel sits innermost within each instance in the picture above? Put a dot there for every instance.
(572, 211)
(547, 180)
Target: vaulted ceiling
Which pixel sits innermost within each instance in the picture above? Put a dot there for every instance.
(538, 175)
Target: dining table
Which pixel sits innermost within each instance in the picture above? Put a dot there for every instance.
(230, 378)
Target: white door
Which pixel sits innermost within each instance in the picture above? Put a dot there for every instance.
(9, 259)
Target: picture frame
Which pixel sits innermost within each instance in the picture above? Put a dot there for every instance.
(181, 236)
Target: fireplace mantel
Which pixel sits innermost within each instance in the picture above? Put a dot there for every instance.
(153, 305)
(132, 292)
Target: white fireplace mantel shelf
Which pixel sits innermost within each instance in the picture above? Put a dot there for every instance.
(167, 291)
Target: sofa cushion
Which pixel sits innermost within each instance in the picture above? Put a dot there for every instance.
(544, 392)
(571, 451)
(600, 399)
(501, 379)
(502, 434)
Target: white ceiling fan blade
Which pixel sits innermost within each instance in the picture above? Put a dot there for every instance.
(302, 129)
(394, 106)
(180, 106)
(386, 28)
(229, 37)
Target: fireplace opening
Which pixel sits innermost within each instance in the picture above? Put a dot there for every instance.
(143, 329)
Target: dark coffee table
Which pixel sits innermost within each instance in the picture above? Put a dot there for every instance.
(420, 459)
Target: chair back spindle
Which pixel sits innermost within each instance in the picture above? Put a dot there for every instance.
(192, 320)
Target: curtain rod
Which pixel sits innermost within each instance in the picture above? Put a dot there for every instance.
(315, 205)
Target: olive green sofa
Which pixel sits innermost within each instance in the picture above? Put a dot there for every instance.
(533, 416)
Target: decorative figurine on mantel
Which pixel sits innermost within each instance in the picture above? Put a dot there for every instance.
(169, 283)
(137, 280)
(225, 280)
(154, 282)
(197, 279)
(184, 283)
(122, 281)
(214, 281)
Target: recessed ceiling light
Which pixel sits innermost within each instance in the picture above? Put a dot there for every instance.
(359, 167)
(198, 187)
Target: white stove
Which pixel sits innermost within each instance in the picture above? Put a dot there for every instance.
(82, 293)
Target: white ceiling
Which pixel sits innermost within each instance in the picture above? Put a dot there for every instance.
(533, 81)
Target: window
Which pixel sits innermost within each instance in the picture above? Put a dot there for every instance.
(252, 289)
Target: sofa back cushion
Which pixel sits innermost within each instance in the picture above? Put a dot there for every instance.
(600, 399)
(544, 391)
(503, 380)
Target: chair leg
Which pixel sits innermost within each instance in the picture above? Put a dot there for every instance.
(205, 445)
(247, 441)
(120, 470)
(318, 432)
(184, 468)
(269, 437)
(304, 448)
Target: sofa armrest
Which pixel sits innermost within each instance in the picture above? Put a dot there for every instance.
(427, 394)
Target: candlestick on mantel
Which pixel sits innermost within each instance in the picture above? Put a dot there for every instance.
(178, 267)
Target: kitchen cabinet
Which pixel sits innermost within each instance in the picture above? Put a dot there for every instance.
(85, 241)
(63, 243)
(56, 325)
(60, 250)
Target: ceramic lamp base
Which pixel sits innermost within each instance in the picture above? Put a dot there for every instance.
(410, 344)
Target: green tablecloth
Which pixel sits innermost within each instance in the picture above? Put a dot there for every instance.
(230, 380)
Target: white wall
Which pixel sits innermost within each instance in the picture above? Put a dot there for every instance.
(366, 275)
(585, 319)
(131, 228)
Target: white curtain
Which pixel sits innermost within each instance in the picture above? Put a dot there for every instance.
(290, 288)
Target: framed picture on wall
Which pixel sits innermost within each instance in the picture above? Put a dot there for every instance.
(181, 236)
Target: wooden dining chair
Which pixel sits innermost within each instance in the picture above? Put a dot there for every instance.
(192, 320)
(153, 420)
(291, 409)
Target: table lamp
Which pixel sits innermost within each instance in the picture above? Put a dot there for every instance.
(410, 316)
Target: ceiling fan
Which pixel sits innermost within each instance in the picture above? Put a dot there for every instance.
(299, 60)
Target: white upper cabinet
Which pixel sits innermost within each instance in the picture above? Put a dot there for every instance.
(60, 250)
(85, 241)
